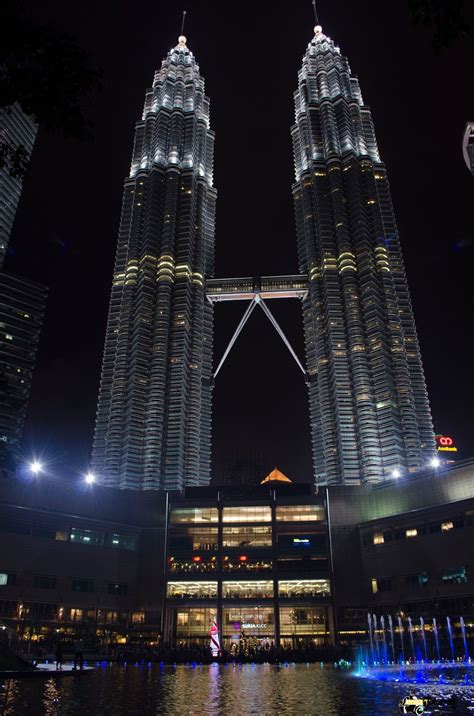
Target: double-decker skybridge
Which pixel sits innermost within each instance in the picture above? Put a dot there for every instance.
(257, 290)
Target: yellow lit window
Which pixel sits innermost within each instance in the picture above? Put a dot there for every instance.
(375, 588)
(446, 526)
(378, 538)
(411, 533)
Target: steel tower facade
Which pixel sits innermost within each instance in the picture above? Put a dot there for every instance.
(153, 426)
(369, 409)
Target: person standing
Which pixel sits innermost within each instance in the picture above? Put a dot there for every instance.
(59, 655)
(78, 653)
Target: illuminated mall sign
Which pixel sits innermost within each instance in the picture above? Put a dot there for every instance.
(445, 444)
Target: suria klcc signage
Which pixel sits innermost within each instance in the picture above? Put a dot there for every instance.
(445, 444)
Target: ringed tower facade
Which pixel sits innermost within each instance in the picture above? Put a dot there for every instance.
(153, 426)
(369, 409)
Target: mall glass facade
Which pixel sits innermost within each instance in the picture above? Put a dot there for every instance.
(261, 569)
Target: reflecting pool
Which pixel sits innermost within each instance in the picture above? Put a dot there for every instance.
(139, 690)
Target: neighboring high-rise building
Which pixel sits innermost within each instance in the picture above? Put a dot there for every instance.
(468, 146)
(153, 427)
(16, 129)
(370, 415)
(22, 302)
(21, 315)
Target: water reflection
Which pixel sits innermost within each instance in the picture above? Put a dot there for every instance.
(193, 690)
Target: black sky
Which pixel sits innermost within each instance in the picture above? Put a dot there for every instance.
(249, 54)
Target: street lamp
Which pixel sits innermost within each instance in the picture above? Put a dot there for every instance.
(90, 478)
(396, 473)
(36, 467)
(435, 462)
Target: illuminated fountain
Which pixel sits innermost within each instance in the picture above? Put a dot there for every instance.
(386, 659)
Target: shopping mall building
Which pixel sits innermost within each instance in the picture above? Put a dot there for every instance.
(280, 561)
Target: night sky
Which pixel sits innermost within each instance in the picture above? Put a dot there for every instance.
(249, 54)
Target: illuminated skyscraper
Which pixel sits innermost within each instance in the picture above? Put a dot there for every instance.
(22, 305)
(22, 302)
(153, 427)
(370, 415)
(16, 129)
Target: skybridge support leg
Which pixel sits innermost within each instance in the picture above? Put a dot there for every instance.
(242, 323)
(275, 324)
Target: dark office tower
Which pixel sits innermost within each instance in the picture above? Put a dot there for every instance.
(153, 428)
(370, 416)
(22, 302)
(21, 315)
(16, 129)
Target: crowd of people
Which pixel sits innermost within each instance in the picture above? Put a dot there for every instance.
(243, 650)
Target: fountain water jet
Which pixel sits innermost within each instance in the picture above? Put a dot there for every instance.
(390, 624)
(410, 630)
(463, 630)
(384, 654)
(435, 632)
(400, 629)
(375, 637)
(450, 632)
(369, 620)
(423, 635)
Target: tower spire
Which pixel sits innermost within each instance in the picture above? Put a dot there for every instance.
(318, 30)
(182, 38)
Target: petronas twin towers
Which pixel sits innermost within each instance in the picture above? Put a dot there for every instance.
(369, 409)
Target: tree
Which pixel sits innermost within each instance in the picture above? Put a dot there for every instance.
(48, 74)
(445, 19)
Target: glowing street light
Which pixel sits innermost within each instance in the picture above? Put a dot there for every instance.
(36, 467)
(396, 473)
(90, 478)
(435, 462)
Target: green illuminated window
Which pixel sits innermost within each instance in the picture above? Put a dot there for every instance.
(194, 514)
(88, 537)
